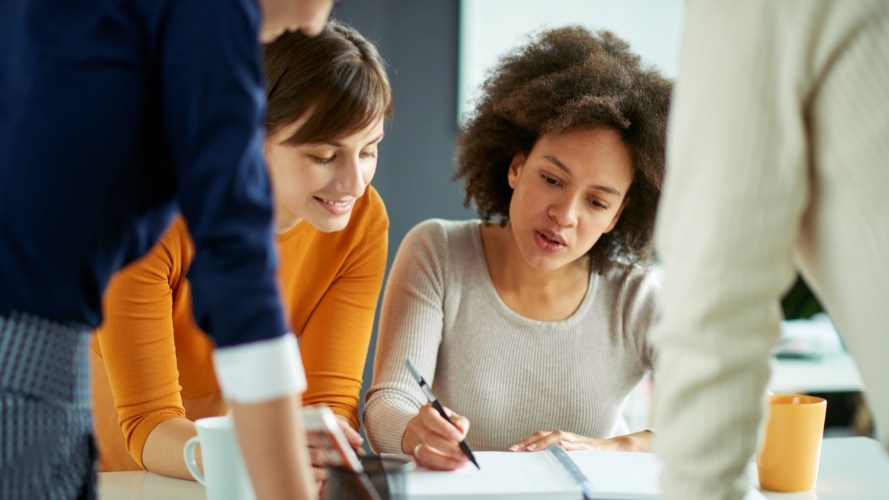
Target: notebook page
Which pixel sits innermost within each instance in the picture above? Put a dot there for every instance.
(538, 475)
(503, 475)
(620, 474)
(624, 475)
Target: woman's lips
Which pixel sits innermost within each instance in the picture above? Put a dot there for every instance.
(335, 207)
(549, 243)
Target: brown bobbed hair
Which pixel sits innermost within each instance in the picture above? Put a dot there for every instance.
(337, 76)
(563, 79)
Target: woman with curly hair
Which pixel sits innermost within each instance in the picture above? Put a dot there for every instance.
(532, 322)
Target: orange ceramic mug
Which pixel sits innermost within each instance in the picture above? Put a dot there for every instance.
(791, 446)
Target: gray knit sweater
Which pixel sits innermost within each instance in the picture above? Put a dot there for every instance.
(509, 375)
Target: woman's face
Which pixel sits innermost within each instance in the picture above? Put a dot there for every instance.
(308, 16)
(319, 183)
(567, 192)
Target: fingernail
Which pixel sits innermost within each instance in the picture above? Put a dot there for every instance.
(514, 447)
(531, 447)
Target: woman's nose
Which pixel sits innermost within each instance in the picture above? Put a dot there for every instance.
(564, 213)
(351, 179)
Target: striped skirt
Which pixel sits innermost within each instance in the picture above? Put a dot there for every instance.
(46, 442)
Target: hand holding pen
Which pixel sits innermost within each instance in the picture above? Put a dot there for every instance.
(436, 439)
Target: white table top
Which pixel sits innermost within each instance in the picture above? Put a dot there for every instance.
(823, 364)
(834, 372)
(851, 469)
(146, 486)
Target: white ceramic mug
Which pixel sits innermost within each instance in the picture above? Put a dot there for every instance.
(225, 475)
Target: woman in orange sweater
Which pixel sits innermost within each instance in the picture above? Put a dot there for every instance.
(328, 97)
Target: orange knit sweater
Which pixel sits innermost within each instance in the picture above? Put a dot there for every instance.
(157, 362)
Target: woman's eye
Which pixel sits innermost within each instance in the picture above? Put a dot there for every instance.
(598, 204)
(368, 154)
(549, 180)
(322, 160)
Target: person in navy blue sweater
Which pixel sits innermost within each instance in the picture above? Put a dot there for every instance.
(114, 116)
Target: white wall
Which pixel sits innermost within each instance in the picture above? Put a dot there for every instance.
(490, 28)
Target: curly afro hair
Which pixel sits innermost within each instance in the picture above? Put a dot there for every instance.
(563, 79)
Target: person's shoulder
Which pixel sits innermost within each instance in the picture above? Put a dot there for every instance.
(371, 206)
(444, 239)
(175, 247)
(177, 234)
(439, 245)
(370, 210)
(178, 248)
(632, 279)
(443, 231)
(633, 293)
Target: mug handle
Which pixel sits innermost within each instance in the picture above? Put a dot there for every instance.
(190, 460)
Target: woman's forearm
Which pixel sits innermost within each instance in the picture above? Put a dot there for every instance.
(162, 453)
(638, 441)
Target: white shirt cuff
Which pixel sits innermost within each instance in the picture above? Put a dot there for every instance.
(260, 371)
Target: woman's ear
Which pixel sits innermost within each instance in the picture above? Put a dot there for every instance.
(515, 167)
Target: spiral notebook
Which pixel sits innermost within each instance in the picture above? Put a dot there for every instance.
(546, 474)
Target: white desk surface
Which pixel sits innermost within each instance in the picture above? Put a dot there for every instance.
(146, 486)
(830, 370)
(835, 372)
(851, 469)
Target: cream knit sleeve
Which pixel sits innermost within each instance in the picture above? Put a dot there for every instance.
(734, 193)
(411, 325)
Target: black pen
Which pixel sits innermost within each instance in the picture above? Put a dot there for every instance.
(435, 404)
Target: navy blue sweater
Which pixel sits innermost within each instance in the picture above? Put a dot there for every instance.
(114, 115)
